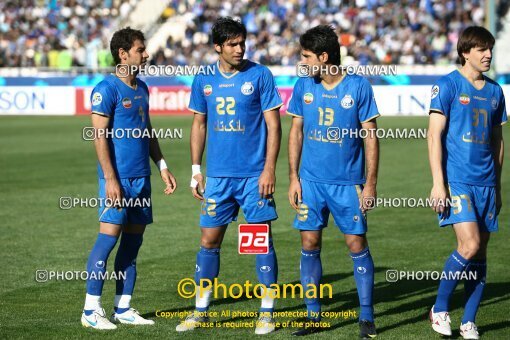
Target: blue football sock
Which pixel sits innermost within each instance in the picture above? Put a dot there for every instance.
(96, 264)
(364, 277)
(125, 263)
(267, 271)
(474, 288)
(454, 263)
(311, 273)
(207, 267)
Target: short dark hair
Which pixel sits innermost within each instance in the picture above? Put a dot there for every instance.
(321, 39)
(124, 39)
(474, 36)
(226, 28)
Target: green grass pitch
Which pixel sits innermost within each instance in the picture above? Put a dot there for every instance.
(44, 158)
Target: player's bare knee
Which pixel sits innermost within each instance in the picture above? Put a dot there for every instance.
(311, 243)
(356, 244)
(356, 247)
(210, 243)
(469, 249)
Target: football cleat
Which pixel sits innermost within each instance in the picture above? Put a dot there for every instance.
(265, 325)
(440, 322)
(367, 329)
(97, 320)
(131, 317)
(469, 331)
(192, 321)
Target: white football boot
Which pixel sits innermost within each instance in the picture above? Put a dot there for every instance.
(265, 324)
(192, 321)
(131, 317)
(97, 320)
(469, 331)
(440, 322)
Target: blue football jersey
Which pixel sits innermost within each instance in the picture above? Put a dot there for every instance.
(328, 114)
(128, 109)
(471, 116)
(236, 129)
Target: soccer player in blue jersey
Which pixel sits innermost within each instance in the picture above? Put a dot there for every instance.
(237, 110)
(332, 174)
(465, 142)
(121, 102)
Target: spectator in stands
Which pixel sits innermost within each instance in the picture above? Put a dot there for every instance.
(69, 33)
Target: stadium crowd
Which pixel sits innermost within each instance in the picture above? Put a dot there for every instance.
(76, 32)
(371, 31)
(59, 34)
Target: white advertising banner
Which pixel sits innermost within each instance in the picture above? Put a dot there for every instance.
(411, 100)
(37, 100)
(392, 100)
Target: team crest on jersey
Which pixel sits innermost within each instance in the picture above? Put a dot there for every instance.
(347, 101)
(494, 103)
(97, 99)
(435, 91)
(247, 88)
(207, 90)
(464, 99)
(126, 102)
(308, 98)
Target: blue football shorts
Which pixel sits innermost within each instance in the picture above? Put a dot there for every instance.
(224, 196)
(321, 199)
(471, 203)
(137, 196)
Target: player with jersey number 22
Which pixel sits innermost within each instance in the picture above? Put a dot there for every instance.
(237, 110)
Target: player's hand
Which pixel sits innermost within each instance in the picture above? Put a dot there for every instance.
(499, 202)
(368, 197)
(199, 189)
(438, 197)
(169, 180)
(113, 191)
(267, 182)
(295, 193)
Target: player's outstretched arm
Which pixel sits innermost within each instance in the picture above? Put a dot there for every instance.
(157, 157)
(295, 148)
(438, 194)
(369, 193)
(113, 191)
(197, 145)
(498, 153)
(267, 179)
